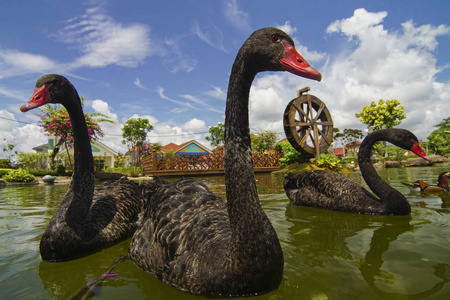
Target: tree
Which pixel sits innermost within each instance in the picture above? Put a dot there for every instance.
(8, 150)
(439, 139)
(217, 133)
(383, 115)
(134, 133)
(55, 121)
(263, 140)
(349, 135)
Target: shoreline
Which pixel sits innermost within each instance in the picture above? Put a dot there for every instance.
(65, 180)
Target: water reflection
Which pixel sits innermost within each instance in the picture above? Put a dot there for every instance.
(372, 268)
(328, 255)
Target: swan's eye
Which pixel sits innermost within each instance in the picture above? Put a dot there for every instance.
(275, 38)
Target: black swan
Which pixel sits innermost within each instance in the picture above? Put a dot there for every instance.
(333, 191)
(195, 241)
(86, 220)
(422, 186)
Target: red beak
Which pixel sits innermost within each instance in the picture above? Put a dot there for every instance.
(293, 62)
(416, 149)
(41, 96)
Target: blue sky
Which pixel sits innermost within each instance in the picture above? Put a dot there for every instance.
(169, 61)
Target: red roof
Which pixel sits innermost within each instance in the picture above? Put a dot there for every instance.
(170, 146)
(339, 151)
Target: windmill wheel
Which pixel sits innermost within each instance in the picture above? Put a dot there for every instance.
(308, 124)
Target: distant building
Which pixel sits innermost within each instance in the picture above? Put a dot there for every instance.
(104, 156)
(339, 152)
(188, 148)
(353, 148)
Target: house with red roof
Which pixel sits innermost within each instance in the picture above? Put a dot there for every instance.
(188, 148)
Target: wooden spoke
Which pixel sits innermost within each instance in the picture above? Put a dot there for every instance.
(308, 124)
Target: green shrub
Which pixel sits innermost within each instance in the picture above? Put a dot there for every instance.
(18, 175)
(328, 161)
(291, 156)
(3, 172)
(60, 170)
(349, 159)
(5, 163)
(33, 161)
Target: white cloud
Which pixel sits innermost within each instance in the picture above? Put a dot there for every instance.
(237, 17)
(195, 125)
(288, 28)
(175, 58)
(217, 93)
(358, 24)
(215, 39)
(425, 35)
(193, 99)
(138, 83)
(103, 41)
(14, 63)
(378, 64)
(23, 138)
(103, 107)
(186, 105)
(385, 65)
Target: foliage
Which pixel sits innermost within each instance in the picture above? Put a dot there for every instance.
(143, 149)
(33, 160)
(263, 140)
(8, 149)
(55, 121)
(217, 134)
(439, 140)
(50, 172)
(291, 156)
(379, 149)
(60, 170)
(396, 153)
(326, 160)
(3, 172)
(5, 163)
(120, 161)
(348, 136)
(156, 147)
(382, 115)
(19, 175)
(134, 133)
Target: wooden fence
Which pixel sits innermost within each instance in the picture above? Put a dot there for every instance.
(160, 164)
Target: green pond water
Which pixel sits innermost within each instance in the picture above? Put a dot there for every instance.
(328, 255)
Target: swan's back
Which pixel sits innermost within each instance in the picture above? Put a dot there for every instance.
(185, 224)
(113, 216)
(332, 191)
(115, 210)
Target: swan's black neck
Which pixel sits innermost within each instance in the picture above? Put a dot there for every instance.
(394, 200)
(81, 188)
(239, 174)
(252, 234)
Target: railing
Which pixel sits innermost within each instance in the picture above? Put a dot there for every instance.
(160, 164)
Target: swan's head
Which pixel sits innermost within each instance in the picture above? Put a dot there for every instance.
(50, 88)
(405, 139)
(271, 49)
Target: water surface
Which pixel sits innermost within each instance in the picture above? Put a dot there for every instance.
(328, 255)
